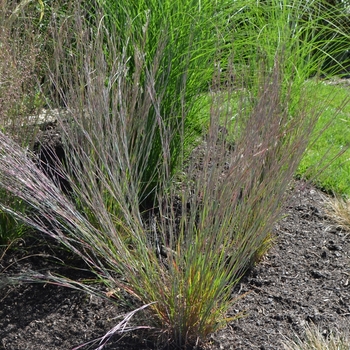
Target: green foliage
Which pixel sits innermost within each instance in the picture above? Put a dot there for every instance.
(302, 29)
(10, 228)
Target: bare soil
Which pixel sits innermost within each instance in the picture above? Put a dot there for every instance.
(304, 278)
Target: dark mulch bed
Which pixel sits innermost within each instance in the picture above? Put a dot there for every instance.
(304, 278)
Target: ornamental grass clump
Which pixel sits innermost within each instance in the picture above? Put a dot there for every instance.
(186, 264)
(210, 217)
(186, 255)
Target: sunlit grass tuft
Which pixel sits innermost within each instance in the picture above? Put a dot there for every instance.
(338, 208)
(316, 340)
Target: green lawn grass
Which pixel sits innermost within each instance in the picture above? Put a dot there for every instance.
(324, 149)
